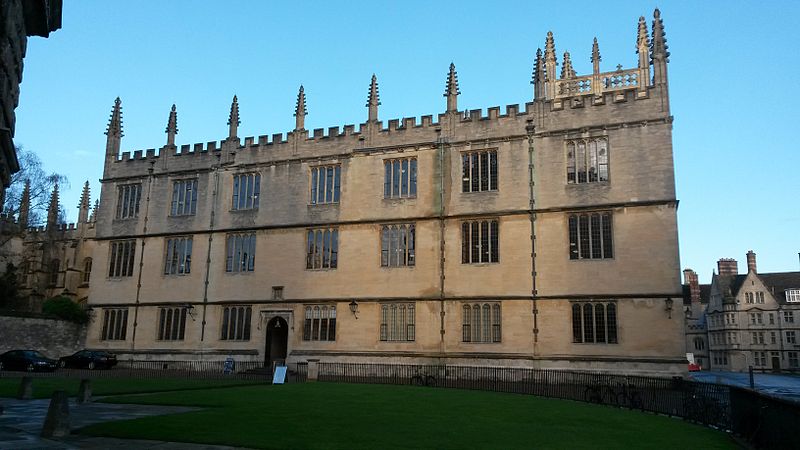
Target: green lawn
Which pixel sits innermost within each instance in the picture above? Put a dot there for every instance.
(44, 387)
(329, 415)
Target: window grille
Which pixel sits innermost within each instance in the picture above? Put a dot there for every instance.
(400, 178)
(241, 252)
(128, 196)
(320, 323)
(590, 236)
(55, 266)
(325, 183)
(481, 323)
(587, 161)
(171, 324)
(236, 323)
(397, 322)
(184, 198)
(322, 249)
(115, 324)
(87, 269)
(122, 258)
(397, 245)
(594, 322)
(480, 242)
(479, 171)
(178, 259)
(246, 191)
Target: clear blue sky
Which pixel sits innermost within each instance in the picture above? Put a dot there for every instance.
(733, 76)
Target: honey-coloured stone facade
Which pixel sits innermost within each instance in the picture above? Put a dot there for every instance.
(524, 296)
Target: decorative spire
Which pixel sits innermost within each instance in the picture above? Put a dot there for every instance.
(566, 69)
(115, 122)
(25, 205)
(172, 126)
(451, 90)
(52, 209)
(300, 110)
(658, 47)
(114, 132)
(596, 56)
(550, 56)
(93, 217)
(642, 46)
(83, 206)
(642, 38)
(373, 99)
(233, 119)
(538, 75)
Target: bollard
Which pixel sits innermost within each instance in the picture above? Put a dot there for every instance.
(85, 392)
(25, 389)
(56, 424)
(313, 369)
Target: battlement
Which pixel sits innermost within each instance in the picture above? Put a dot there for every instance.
(555, 94)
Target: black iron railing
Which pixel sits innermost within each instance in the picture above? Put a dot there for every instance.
(748, 414)
(206, 370)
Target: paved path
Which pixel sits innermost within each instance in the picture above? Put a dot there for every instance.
(785, 386)
(21, 423)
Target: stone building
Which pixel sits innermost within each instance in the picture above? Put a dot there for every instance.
(695, 304)
(18, 20)
(542, 236)
(54, 259)
(751, 319)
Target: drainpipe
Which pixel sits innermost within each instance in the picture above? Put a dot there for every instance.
(530, 129)
(141, 255)
(440, 140)
(214, 194)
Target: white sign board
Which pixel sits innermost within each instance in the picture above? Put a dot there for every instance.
(280, 375)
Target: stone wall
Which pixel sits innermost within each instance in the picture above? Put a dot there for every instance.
(52, 337)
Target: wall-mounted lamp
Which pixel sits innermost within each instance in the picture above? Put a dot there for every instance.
(190, 310)
(354, 308)
(668, 306)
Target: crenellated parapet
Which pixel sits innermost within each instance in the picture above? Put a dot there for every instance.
(548, 87)
(554, 96)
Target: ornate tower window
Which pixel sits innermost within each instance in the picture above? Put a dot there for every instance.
(587, 160)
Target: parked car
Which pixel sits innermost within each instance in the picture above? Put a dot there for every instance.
(29, 360)
(88, 359)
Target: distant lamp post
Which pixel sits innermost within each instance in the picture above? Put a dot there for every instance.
(668, 306)
(354, 308)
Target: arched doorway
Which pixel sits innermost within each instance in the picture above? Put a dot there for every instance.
(277, 340)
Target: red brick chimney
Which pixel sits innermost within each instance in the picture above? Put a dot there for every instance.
(751, 262)
(690, 278)
(727, 266)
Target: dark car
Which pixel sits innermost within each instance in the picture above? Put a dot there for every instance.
(29, 360)
(88, 359)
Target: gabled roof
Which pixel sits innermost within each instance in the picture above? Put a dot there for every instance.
(728, 286)
(778, 283)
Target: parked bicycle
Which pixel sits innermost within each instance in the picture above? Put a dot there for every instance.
(423, 379)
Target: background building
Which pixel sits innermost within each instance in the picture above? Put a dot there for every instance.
(695, 304)
(542, 236)
(744, 320)
(50, 260)
(753, 319)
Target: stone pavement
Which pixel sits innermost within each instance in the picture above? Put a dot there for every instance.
(21, 423)
(779, 385)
